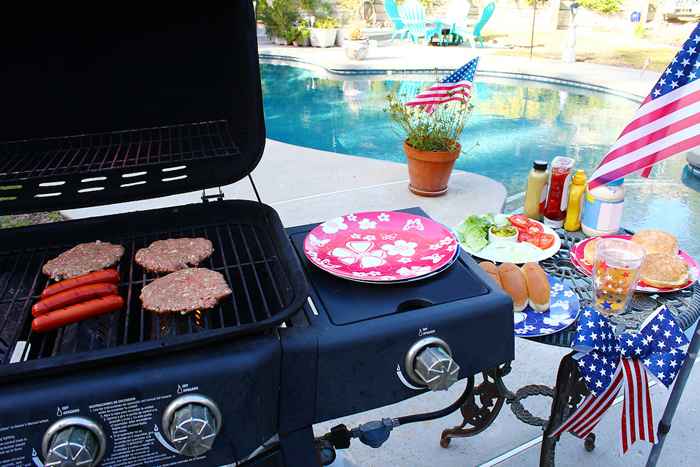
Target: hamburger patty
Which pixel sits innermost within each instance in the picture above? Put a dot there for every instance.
(82, 259)
(184, 291)
(174, 254)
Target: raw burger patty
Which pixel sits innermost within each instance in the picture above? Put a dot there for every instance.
(82, 259)
(184, 291)
(174, 254)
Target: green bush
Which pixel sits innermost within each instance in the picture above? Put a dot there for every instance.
(282, 17)
(326, 23)
(602, 6)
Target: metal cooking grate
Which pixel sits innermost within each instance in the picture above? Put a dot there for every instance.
(55, 157)
(243, 253)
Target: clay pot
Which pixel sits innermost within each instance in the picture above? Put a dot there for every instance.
(429, 171)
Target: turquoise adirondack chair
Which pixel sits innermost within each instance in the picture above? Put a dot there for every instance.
(455, 18)
(413, 16)
(392, 12)
(473, 36)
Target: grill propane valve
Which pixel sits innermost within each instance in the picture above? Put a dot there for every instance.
(429, 363)
(191, 424)
(73, 441)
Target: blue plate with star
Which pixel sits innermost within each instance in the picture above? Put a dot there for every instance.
(563, 310)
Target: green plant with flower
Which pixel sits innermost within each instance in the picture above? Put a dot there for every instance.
(439, 130)
(326, 23)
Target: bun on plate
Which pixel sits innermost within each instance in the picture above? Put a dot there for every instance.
(538, 290)
(656, 241)
(492, 270)
(664, 271)
(513, 283)
(590, 251)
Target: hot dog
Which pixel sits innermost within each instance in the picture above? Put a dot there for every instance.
(68, 297)
(106, 275)
(74, 313)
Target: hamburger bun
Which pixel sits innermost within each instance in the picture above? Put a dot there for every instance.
(664, 271)
(590, 251)
(538, 290)
(492, 270)
(513, 283)
(656, 241)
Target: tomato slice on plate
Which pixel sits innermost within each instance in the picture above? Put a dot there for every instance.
(545, 241)
(523, 236)
(520, 221)
(535, 228)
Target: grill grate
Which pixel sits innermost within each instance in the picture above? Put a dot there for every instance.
(101, 168)
(244, 253)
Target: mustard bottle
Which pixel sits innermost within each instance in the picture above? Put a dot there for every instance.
(572, 223)
(536, 191)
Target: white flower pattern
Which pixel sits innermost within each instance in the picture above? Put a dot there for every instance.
(361, 252)
(413, 224)
(400, 247)
(334, 225)
(351, 217)
(369, 237)
(413, 271)
(404, 260)
(366, 224)
(435, 258)
(383, 217)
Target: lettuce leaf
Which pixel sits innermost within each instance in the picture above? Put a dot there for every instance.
(473, 232)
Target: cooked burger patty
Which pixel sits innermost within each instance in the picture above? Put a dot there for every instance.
(174, 254)
(82, 259)
(184, 291)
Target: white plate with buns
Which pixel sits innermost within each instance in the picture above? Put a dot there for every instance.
(542, 304)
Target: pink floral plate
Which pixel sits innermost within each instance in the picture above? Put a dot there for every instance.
(381, 246)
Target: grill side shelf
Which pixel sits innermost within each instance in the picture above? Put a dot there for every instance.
(250, 250)
(101, 168)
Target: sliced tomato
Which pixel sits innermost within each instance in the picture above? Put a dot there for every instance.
(535, 228)
(523, 236)
(519, 221)
(545, 241)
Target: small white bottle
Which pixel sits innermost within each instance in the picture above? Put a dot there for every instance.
(602, 209)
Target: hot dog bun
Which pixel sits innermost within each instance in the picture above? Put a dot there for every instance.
(513, 283)
(538, 290)
(589, 252)
(492, 270)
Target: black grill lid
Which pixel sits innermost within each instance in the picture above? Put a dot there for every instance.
(104, 104)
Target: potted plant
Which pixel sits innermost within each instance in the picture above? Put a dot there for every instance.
(431, 141)
(323, 32)
(303, 34)
(356, 45)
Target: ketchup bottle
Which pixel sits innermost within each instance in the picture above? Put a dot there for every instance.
(558, 195)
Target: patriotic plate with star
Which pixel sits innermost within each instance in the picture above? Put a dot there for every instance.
(577, 255)
(381, 247)
(563, 310)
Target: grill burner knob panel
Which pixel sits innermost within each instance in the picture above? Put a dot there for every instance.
(73, 442)
(191, 424)
(429, 363)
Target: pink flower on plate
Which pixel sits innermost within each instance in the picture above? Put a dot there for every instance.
(361, 252)
(401, 247)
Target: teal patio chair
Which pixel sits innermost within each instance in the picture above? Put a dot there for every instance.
(392, 12)
(473, 36)
(413, 16)
(455, 18)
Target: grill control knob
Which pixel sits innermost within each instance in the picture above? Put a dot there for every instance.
(429, 363)
(73, 442)
(191, 424)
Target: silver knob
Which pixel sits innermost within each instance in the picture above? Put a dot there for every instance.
(429, 363)
(73, 442)
(191, 424)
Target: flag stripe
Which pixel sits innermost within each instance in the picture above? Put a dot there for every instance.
(649, 411)
(648, 161)
(641, 392)
(596, 411)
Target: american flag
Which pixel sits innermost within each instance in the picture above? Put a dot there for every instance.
(611, 364)
(456, 87)
(667, 123)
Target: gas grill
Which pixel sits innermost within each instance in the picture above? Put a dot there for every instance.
(102, 108)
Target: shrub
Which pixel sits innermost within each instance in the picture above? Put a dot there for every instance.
(602, 6)
(326, 23)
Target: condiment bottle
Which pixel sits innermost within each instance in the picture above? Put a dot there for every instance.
(536, 191)
(602, 209)
(558, 193)
(575, 207)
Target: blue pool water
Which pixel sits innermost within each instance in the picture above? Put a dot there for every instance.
(514, 122)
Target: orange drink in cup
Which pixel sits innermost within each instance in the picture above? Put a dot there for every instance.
(615, 274)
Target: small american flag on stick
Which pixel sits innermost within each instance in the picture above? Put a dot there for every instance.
(667, 123)
(457, 86)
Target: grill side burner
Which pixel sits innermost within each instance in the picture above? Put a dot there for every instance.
(249, 250)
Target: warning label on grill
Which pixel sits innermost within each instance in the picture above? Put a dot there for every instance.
(133, 438)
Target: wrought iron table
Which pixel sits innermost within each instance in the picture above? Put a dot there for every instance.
(489, 397)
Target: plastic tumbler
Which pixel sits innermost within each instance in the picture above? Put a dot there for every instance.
(615, 274)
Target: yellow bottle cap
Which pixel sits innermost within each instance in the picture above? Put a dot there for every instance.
(579, 177)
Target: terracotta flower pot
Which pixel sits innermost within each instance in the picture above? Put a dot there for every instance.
(429, 171)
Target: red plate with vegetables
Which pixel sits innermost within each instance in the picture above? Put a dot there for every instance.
(500, 238)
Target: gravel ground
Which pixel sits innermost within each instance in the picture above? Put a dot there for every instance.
(21, 220)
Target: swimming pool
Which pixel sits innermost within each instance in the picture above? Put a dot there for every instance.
(514, 122)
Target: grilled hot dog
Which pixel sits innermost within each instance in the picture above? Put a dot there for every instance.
(106, 275)
(72, 296)
(74, 313)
